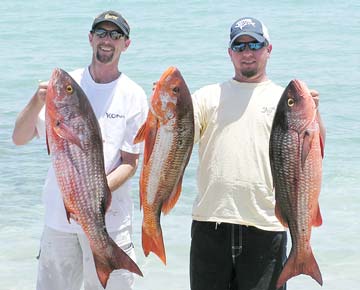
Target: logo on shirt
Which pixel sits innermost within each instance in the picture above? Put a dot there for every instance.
(114, 116)
(268, 110)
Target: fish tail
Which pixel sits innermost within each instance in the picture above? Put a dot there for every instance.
(111, 259)
(293, 268)
(153, 242)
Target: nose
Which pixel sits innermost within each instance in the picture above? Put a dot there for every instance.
(247, 51)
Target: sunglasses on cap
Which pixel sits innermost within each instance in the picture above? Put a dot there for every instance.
(241, 46)
(102, 33)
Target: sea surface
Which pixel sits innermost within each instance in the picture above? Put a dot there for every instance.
(316, 41)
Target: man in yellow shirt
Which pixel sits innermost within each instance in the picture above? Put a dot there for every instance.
(237, 242)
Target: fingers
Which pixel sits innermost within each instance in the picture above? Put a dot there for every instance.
(41, 91)
(316, 97)
(154, 85)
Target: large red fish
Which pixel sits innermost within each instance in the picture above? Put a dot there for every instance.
(296, 152)
(169, 135)
(75, 143)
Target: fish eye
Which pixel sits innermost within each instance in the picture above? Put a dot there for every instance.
(176, 90)
(69, 89)
(291, 102)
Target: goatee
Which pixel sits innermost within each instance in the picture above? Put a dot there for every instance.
(104, 58)
(249, 73)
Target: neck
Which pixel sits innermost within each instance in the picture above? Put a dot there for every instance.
(102, 73)
(254, 79)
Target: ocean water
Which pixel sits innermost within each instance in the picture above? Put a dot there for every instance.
(316, 41)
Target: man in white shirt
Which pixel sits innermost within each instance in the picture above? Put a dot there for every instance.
(120, 106)
(237, 242)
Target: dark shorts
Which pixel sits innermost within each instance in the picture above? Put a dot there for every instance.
(227, 256)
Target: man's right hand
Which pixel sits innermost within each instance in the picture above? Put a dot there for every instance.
(41, 91)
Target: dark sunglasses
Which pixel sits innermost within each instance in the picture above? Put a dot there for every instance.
(114, 34)
(241, 46)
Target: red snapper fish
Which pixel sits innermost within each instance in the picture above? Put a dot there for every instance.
(296, 152)
(75, 143)
(169, 136)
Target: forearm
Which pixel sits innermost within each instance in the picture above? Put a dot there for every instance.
(322, 127)
(119, 176)
(25, 125)
(125, 171)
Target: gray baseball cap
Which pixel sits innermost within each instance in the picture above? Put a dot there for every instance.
(251, 27)
(114, 17)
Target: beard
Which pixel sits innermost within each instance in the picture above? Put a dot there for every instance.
(104, 58)
(249, 73)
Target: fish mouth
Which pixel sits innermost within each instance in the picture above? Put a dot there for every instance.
(169, 72)
(56, 74)
(300, 86)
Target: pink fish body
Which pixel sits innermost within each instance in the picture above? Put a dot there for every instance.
(296, 152)
(169, 136)
(75, 144)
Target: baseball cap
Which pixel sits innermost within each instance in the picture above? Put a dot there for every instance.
(114, 17)
(251, 27)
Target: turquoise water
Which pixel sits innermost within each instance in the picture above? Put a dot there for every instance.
(316, 41)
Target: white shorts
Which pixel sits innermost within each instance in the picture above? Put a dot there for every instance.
(66, 261)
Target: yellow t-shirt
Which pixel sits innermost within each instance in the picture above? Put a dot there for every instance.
(232, 124)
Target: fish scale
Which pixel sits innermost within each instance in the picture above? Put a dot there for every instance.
(296, 165)
(75, 144)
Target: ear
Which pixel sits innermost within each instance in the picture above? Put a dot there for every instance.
(127, 44)
(269, 48)
(91, 37)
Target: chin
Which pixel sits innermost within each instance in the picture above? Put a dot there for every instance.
(104, 59)
(249, 73)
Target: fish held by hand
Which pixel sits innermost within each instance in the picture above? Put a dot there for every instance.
(296, 152)
(169, 136)
(75, 144)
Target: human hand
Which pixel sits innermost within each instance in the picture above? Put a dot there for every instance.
(41, 91)
(316, 97)
(154, 86)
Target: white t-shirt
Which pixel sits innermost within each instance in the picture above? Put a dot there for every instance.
(121, 108)
(232, 124)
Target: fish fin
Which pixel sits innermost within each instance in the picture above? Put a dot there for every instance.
(153, 242)
(321, 135)
(322, 146)
(142, 187)
(107, 195)
(112, 258)
(317, 219)
(279, 215)
(173, 198)
(308, 138)
(69, 214)
(294, 267)
(147, 133)
(66, 133)
(140, 135)
(47, 143)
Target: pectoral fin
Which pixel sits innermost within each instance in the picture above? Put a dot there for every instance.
(65, 132)
(307, 142)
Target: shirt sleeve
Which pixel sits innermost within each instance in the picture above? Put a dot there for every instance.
(197, 115)
(40, 125)
(135, 120)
